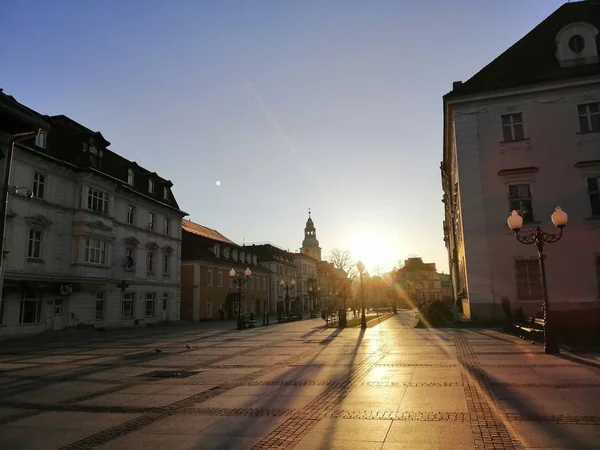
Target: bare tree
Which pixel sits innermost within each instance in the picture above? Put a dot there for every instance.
(342, 259)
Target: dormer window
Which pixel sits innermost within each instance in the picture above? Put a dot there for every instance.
(576, 44)
(166, 193)
(151, 186)
(234, 255)
(40, 140)
(130, 177)
(95, 155)
(217, 250)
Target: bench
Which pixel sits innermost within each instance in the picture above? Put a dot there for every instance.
(530, 327)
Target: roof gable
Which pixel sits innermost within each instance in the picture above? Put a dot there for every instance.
(533, 59)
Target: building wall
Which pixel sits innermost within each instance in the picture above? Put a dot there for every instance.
(63, 224)
(202, 291)
(553, 146)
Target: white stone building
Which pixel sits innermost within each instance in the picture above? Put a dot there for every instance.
(99, 244)
(524, 134)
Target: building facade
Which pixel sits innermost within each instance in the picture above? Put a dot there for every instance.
(420, 281)
(306, 281)
(97, 244)
(207, 288)
(281, 267)
(524, 134)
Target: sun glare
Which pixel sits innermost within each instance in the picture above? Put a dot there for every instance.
(373, 251)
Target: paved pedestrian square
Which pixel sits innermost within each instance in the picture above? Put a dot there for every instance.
(297, 385)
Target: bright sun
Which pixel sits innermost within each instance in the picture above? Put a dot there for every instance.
(373, 251)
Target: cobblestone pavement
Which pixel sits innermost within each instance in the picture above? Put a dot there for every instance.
(295, 385)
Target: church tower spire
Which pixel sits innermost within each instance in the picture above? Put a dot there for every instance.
(310, 244)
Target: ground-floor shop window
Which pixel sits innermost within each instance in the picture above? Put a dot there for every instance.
(150, 300)
(100, 304)
(209, 310)
(30, 311)
(127, 305)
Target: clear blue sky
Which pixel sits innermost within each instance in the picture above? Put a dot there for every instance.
(332, 105)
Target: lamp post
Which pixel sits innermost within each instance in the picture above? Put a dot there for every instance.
(539, 238)
(8, 189)
(363, 319)
(240, 280)
(286, 288)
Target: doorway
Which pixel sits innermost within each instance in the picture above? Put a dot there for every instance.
(164, 313)
(57, 313)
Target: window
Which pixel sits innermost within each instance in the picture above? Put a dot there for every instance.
(40, 140)
(127, 304)
(512, 127)
(166, 193)
(264, 284)
(165, 264)
(130, 177)
(209, 310)
(97, 200)
(151, 221)
(589, 117)
(149, 309)
(95, 155)
(166, 225)
(593, 187)
(529, 279)
(519, 197)
(129, 258)
(130, 214)
(100, 305)
(304, 269)
(30, 312)
(209, 278)
(150, 262)
(95, 251)
(151, 186)
(39, 183)
(34, 249)
(220, 279)
(431, 285)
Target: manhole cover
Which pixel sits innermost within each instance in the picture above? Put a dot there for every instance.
(168, 374)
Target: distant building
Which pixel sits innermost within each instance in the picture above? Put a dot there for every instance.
(419, 280)
(310, 244)
(281, 267)
(524, 134)
(98, 242)
(446, 287)
(206, 287)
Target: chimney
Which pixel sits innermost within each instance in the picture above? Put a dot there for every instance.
(456, 84)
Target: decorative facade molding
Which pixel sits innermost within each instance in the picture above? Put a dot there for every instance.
(39, 221)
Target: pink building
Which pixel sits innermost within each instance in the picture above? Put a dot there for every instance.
(524, 134)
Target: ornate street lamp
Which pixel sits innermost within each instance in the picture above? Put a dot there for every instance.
(240, 279)
(286, 288)
(539, 238)
(363, 318)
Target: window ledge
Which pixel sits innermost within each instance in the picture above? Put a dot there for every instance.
(129, 269)
(99, 266)
(36, 260)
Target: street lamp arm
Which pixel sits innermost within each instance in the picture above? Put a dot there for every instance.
(539, 237)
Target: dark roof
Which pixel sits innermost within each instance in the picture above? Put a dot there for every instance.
(271, 253)
(532, 59)
(65, 144)
(196, 247)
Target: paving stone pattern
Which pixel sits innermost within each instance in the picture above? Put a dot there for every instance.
(296, 385)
